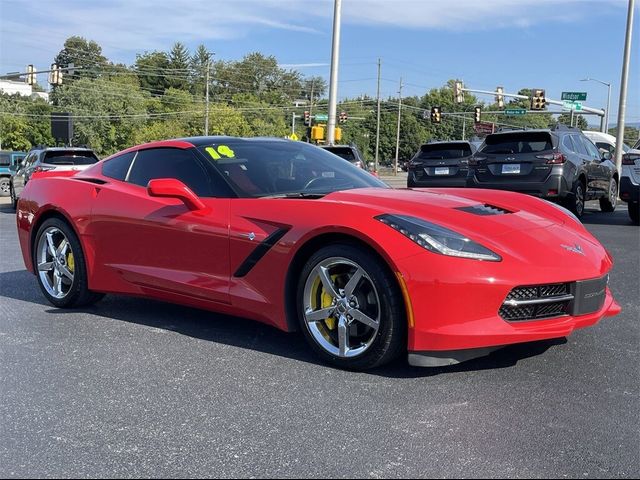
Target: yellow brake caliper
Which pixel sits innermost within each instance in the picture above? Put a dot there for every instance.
(70, 262)
(325, 302)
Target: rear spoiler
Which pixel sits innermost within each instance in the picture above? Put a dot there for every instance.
(54, 173)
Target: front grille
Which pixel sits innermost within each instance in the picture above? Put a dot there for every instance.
(535, 302)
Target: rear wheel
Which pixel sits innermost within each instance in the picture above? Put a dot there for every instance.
(350, 308)
(608, 203)
(60, 266)
(5, 186)
(634, 212)
(576, 201)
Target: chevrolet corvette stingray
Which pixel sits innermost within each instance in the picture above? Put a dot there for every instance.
(290, 235)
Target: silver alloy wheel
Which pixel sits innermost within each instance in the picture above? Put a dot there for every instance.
(579, 199)
(341, 307)
(55, 262)
(5, 186)
(613, 193)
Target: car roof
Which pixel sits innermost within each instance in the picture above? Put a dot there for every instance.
(447, 142)
(600, 136)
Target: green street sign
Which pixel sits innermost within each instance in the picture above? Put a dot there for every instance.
(321, 117)
(566, 105)
(574, 96)
(515, 111)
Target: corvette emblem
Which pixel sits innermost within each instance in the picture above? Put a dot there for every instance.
(575, 249)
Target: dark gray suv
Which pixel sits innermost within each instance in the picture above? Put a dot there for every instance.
(560, 164)
(440, 164)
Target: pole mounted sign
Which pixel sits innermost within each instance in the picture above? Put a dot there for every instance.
(574, 96)
(321, 117)
(515, 111)
(569, 105)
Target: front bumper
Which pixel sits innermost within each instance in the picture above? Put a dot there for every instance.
(555, 186)
(629, 191)
(455, 304)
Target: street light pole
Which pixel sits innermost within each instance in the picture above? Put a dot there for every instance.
(378, 121)
(395, 167)
(333, 81)
(622, 107)
(605, 127)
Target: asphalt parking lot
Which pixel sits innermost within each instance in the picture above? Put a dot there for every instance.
(133, 387)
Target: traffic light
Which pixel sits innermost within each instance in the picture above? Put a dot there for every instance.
(458, 94)
(317, 133)
(538, 101)
(343, 117)
(55, 75)
(500, 97)
(31, 75)
(307, 118)
(436, 114)
(337, 134)
(477, 114)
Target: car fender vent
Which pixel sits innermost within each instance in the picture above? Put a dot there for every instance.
(97, 181)
(484, 209)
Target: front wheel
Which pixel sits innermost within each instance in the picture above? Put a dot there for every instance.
(60, 266)
(608, 203)
(350, 308)
(5, 187)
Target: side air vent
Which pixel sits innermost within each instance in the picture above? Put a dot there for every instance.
(97, 181)
(485, 209)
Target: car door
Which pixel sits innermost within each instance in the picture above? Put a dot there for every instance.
(20, 178)
(589, 163)
(152, 244)
(602, 171)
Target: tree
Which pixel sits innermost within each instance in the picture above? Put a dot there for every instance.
(151, 68)
(199, 61)
(84, 54)
(179, 66)
(578, 121)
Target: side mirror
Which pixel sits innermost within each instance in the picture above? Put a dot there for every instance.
(172, 188)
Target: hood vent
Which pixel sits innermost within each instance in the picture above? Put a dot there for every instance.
(485, 209)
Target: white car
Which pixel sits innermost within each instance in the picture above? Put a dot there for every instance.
(604, 141)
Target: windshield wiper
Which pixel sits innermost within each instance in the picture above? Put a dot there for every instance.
(296, 195)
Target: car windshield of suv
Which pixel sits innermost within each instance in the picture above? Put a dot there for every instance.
(517, 142)
(70, 157)
(443, 151)
(257, 168)
(342, 152)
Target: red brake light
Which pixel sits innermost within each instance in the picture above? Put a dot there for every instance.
(553, 158)
(628, 159)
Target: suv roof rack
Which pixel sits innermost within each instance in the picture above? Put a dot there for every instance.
(562, 126)
(509, 129)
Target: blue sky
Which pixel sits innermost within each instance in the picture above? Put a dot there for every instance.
(549, 44)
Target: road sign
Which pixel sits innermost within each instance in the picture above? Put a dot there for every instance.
(321, 117)
(515, 111)
(293, 136)
(483, 127)
(567, 105)
(574, 96)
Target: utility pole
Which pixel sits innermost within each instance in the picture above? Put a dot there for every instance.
(333, 81)
(395, 167)
(464, 127)
(206, 115)
(378, 120)
(310, 111)
(293, 123)
(623, 86)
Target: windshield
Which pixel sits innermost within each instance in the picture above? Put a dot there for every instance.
(443, 151)
(520, 142)
(70, 158)
(258, 168)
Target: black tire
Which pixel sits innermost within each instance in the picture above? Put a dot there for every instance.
(390, 339)
(575, 202)
(634, 212)
(609, 203)
(5, 186)
(79, 294)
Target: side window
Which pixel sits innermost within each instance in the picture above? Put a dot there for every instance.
(580, 148)
(591, 148)
(568, 144)
(118, 167)
(29, 160)
(170, 163)
(606, 146)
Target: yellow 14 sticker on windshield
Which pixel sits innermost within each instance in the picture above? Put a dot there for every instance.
(220, 151)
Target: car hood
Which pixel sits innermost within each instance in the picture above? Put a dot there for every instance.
(465, 214)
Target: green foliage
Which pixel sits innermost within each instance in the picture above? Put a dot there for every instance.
(578, 121)
(631, 134)
(29, 125)
(83, 53)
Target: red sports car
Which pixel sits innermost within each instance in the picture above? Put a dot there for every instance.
(290, 235)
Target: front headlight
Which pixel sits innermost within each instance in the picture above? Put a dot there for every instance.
(438, 239)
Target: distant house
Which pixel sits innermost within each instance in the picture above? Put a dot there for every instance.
(12, 87)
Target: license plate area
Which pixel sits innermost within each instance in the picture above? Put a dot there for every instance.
(511, 169)
(589, 296)
(441, 171)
